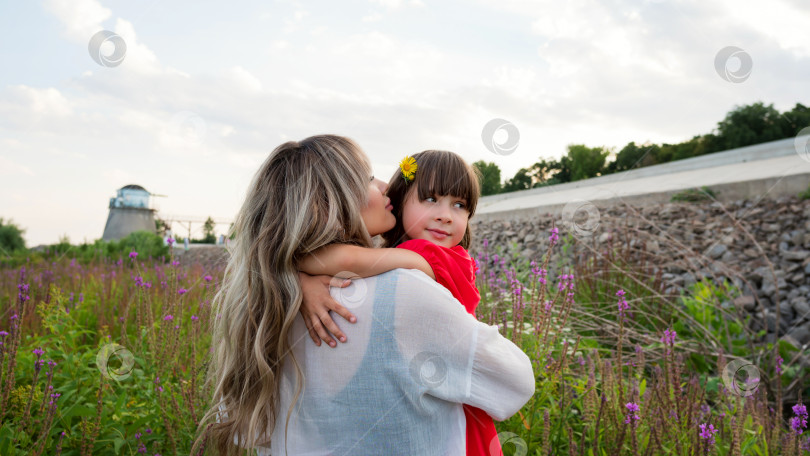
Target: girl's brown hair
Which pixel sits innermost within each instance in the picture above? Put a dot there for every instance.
(438, 173)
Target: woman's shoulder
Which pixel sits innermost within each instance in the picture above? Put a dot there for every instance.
(407, 276)
(413, 284)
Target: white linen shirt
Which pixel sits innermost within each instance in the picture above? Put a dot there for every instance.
(396, 387)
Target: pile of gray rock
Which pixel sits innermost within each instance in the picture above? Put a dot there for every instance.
(762, 247)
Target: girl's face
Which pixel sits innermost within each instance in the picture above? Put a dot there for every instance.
(377, 214)
(441, 220)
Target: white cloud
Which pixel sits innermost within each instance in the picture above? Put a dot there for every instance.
(784, 23)
(81, 18)
(139, 58)
(40, 102)
(244, 79)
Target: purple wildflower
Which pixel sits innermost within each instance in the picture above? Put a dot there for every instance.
(707, 432)
(669, 337)
(799, 422)
(194, 318)
(170, 241)
(554, 237)
(168, 318)
(623, 305)
(133, 255)
(182, 291)
(208, 278)
(632, 410)
(779, 362)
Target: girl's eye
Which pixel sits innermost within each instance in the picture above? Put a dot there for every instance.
(430, 199)
(461, 205)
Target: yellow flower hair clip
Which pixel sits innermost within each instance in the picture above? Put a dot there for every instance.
(408, 168)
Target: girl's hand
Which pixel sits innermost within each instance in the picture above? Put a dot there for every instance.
(317, 302)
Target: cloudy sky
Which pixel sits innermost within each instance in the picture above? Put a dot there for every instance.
(207, 89)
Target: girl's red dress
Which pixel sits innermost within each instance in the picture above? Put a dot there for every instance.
(455, 270)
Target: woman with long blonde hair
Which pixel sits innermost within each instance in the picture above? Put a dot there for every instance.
(414, 356)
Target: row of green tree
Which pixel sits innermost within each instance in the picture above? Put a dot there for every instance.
(13, 250)
(208, 228)
(743, 126)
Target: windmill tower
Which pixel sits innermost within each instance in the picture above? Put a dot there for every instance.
(129, 211)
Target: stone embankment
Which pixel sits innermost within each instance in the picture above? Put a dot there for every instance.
(762, 247)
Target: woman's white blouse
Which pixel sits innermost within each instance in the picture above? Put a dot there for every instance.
(396, 386)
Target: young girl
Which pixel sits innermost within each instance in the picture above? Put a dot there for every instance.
(434, 194)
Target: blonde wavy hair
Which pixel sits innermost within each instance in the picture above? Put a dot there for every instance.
(306, 194)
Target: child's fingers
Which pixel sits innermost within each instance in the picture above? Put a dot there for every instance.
(343, 312)
(312, 333)
(321, 330)
(333, 328)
